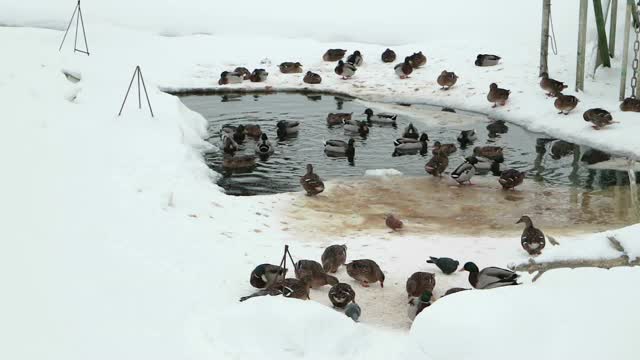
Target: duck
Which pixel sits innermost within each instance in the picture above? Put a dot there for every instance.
(246, 74)
(420, 282)
(290, 67)
(417, 60)
(511, 178)
(454, 290)
(438, 163)
(338, 118)
(287, 128)
(227, 77)
(565, 103)
(296, 288)
(333, 257)
(355, 58)
(404, 69)
(359, 127)
(497, 95)
(410, 132)
(264, 146)
(238, 161)
(353, 311)
(253, 130)
(314, 271)
(561, 148)
(380, 118)
(497, 127)
(333, 55)
(532, 238)
(340, 148)
(467, 137)
(365, 271)
(494, 153)
(229, 146)
(447, 265)
(393, 222)
(598, 117)
(236, 132)
(447, 79)
(346, 70)
(312, 78)
(485, 166)
(465, 171)
(388, 56)
(341, 295)
(266, 276)
(551, 86)
(630, 104)
(259, 75)
(418, 303)
(487, 60)
(490, 277)
(409, 146)
(447, 149)
(311, 182)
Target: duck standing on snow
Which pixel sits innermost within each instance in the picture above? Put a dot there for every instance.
(411, 146)
(340, 148)
(259, 75)
(598, 117)
(494, 153)
(532, 239)
(355, 58)
(511, 178)
(393, 222)
(487, 60)
(296, 288)
(346, 70)
(333, 257)
(311, 182)
(314, 271)
(467, 137)
(565, 103)
(491, 277)
(419, 282)
(465, 171)
(404, 69)
(334, 54)
(359, 127)
(410, 132)
(312, 78)
(439, 162)
(244, 71)
(338, 118)
(266, 276)
(447, 79)
(290, 67)
(341, 295)
(497, 95)
(264, 146)
(447, 265)
(388, 56)
(365, 271)
(417, 60)
(551, 86)
(227, 77)
(287, 128)
(630, 104)
(380, 118)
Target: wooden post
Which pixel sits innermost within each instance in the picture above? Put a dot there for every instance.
(544, 37)
(603, 47)
(625, 52)
(612, 28)
(582, 44)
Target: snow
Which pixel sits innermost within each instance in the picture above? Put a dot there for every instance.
(382, 172)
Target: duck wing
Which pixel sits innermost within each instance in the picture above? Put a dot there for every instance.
(493, 277)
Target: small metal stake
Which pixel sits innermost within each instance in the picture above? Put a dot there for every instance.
(137, 72)
(79, 22)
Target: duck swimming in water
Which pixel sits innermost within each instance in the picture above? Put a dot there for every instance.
(264, 146)
(287, 128)
(380, 118)
(411, 146)
(467, 137)
(410, 132)
(340, 148)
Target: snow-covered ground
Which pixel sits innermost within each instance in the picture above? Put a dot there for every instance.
(116, 242)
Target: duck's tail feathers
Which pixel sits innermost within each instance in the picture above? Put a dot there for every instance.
(432, 260)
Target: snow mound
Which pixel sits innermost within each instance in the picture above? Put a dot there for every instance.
(382, 172)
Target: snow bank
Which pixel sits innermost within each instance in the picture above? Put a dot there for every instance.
(382, 172)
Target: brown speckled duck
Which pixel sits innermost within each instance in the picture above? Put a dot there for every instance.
(551, 86)
(494, 153)
(238, 161)
(311, 182)
(447, 79)
(355, 58)
(253, 130)
(446, 149)
(393, 222)
(532, 239)
(333, 257)
(511, 178)
(346, 70)
(341, 295)
(417, 60)
(497, 96)
(388, 56)
(404, 69)
(246, 74)
(312, 78)
(630, 104)
(565, 103)
(266, 276)
(334, 54)
(420, 282)
(598, 117)
(290, 67)
(314, 271)
(438, 163)
(338, 118)
(296, 288)
(227, 77)
(259, 75)
(365, 271)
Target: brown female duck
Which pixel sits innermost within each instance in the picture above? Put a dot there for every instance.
(365, 271)
(388, 56)
(333, 257)
(238, 161)
(266, 276)
(497, 95)
(598, 117)
(253, 130)
(259, 75)
(314, 271)
(338, 118)
(447, 79)
(437, 164)
(290, 67)
(420, 282)
(511, 178)
(565, 103)
(311, 182)
(532, 239)
(342, 295)
(296, 288)
(494, 153)
(246, 74)
(334, 54)
(393, 222)
(404, 69)
(417, 60)
(630, 104)
(312, 78)
(551, 86)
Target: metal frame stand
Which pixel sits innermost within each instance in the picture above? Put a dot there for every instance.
(283, 262)
(138, 72)
(79, 22)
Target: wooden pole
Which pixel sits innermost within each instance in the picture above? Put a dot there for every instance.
(625, 52)
(544, 37)
(582, 44)
(612, 28)
(603, 47)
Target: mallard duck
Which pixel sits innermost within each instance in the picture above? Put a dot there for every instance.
(447, 79)
(286, 128)
(420, 282)
(467, 137)
(511, 178)
(439, 162)
(236, 132)
(264, 146)
(551, 86)
(238, 161)
(494, 153)
(446, 265)
(532, 239)
(266, 276)
(417, 304)
(296, 288)
(487, 60)
(341, 295)
(388, 56)
(630, 104)
(340, 148)
(259, 75)
(313, 270)
(598, 117)
(593, 156)
(311, 182)
(355, 58)
(465, 171)
(359, 127)
(417, 60)
(365, 271)
(312, 78)
(498, 127)
(485, 166)
(338, 118)
(409, 146)
(565, 103)
(454, 290)
(229, 146)
(346, 70)
(333, 257)
(353, 311)
(253, 130)
(491, 277)
(380, 118)
(393, 222)
(404, 69)
(410, 132)
(246, 74)
(227, 77)
(333, 54)
(561, 148)
(290, 67)
(497, 95)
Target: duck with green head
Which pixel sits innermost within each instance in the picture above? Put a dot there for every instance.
(490, 277)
